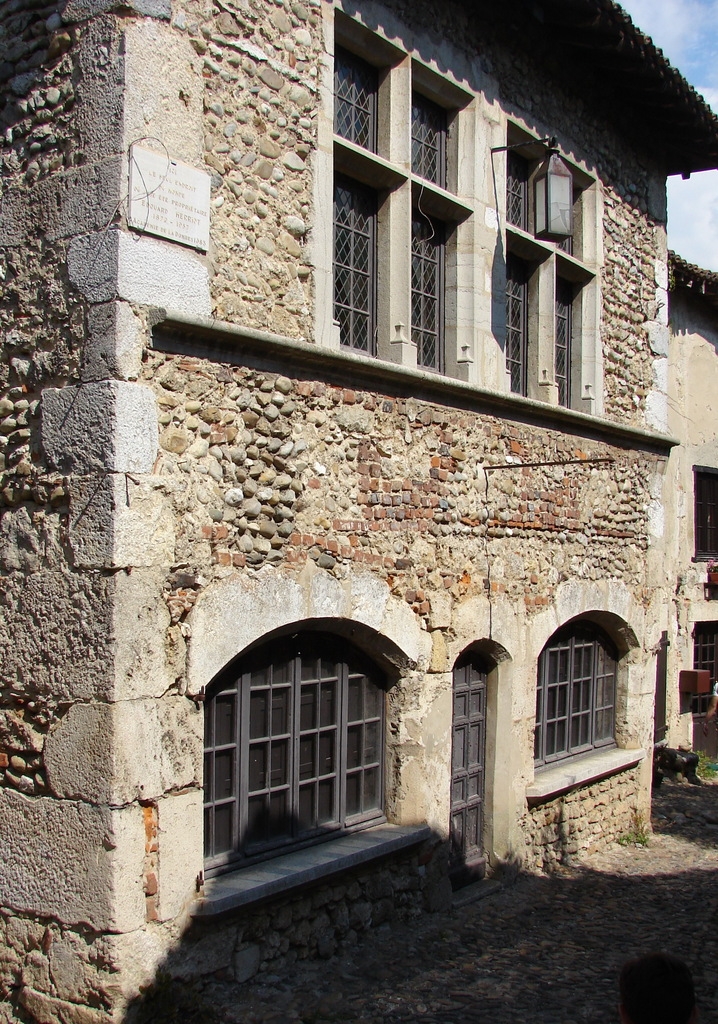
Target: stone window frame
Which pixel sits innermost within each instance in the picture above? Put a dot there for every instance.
(565, 641)
(400, 191)
(705, 508)
(234, 687)
(576, 262)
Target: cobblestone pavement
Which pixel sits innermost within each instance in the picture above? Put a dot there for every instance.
(546, 950)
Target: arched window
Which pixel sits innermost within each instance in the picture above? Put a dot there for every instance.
(294, 740)
(575, 694)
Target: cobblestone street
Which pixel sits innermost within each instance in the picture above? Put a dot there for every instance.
(545, 950)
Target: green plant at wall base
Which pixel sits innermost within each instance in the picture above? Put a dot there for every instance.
(706, 766)
(639, 833)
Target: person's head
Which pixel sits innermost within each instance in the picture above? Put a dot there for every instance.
(657, 989)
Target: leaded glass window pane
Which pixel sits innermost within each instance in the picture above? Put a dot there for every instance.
(355, 96)
(428, 140)
(516, 323)
(562, 348)
(517, 179)
(427, 290)
(354, 264)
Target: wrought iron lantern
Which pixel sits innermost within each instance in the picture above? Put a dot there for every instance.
(553, 198)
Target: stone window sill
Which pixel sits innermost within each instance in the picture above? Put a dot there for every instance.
(549, 782)
(304, 867)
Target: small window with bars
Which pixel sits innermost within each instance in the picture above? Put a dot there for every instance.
(428, 248)
(575, 694)
(428, 140)
(517, 191)
(517, 290)
(355, 264)
(356, 85)
(705, 649)
(706, 512)
(562, 341)
(294, 740)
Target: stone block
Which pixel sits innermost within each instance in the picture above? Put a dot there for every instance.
(440, 614)
(148, 655)
(22, 546)
(181, 841)
(108, 426)
(134, 958)
(71, 656)
(327, 597)
(156, 273)
(246, 963)
(161, 97)
(232, 614)
(116, 522)
(72, 202)
(77, 863)
(69, 959)
(50, 1010)
(114, 343)
(116, 753)
(201, 954)
(92, 263)
(115, 264)
(80, 10)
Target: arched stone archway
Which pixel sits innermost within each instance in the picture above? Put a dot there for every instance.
(233, 614)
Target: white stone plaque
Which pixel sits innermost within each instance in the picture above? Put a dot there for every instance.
(168, 198)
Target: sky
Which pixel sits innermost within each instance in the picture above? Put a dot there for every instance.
(687, 32)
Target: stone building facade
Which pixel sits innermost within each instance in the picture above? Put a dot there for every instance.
(307, 516)
(690, 501)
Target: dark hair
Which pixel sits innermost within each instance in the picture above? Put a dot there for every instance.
(657, 989)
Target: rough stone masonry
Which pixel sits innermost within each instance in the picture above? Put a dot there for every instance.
(188, 469)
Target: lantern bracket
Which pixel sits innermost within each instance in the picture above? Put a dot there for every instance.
(551, 142)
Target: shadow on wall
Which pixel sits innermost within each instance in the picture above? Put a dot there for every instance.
(314, 921)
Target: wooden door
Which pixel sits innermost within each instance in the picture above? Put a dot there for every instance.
(467, 770)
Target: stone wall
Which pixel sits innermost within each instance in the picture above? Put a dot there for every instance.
(429, 523)
(561, 830)
(260, 468)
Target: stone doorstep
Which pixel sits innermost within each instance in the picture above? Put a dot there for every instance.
(475, 892)
(549, 782)
(304, 867)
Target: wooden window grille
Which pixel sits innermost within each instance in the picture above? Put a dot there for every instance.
(575, 694)
(428, 140)
(355, 100)
(517, 323)
(428, 249)
(706, 513)
(294, 741)
(562, 341)
(705, 648)
(355, 265)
